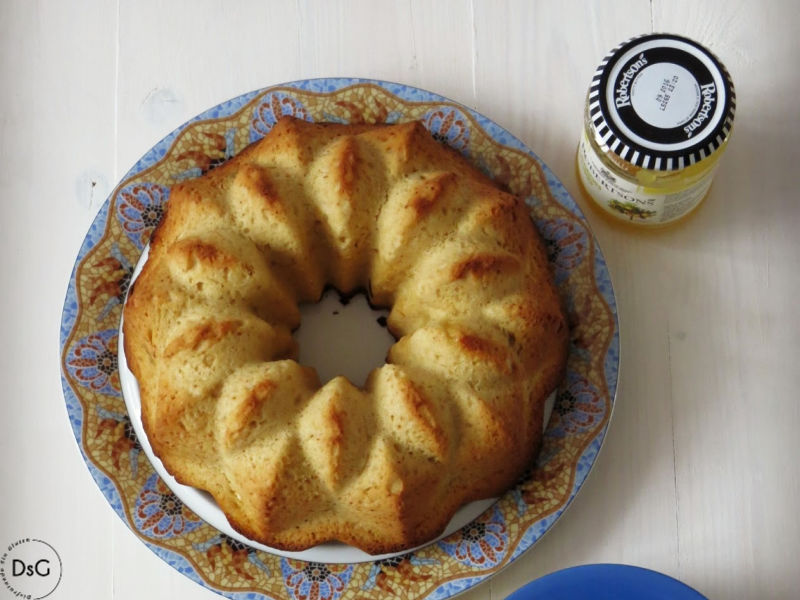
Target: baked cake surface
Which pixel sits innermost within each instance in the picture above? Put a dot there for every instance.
(454, 415)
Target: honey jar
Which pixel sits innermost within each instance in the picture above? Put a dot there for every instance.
(658, 117)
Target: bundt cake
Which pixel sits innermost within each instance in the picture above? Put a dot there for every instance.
(455, 413)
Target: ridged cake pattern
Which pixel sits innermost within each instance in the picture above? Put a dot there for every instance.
(454, 415)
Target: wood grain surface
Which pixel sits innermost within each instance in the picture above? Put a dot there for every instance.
(699, 476)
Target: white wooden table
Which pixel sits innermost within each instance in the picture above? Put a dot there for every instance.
(699, 475)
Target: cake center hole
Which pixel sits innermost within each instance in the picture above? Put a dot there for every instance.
(343, 337)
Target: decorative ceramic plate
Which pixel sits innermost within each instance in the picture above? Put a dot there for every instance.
(113, 453)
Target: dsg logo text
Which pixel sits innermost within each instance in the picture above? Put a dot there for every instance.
(30, 568)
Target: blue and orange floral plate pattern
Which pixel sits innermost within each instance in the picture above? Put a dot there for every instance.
(103, 430)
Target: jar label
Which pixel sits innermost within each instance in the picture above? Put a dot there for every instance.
(632, 202)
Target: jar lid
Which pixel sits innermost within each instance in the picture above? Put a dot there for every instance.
(661, 102)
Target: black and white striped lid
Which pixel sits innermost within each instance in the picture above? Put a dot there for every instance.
(661, 102)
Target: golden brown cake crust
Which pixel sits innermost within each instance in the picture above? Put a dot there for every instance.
(453, 416)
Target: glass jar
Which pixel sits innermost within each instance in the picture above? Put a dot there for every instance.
(658, 117)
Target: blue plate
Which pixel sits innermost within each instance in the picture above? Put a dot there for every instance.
(606, 582)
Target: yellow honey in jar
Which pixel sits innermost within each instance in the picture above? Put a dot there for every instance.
(658, 117)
